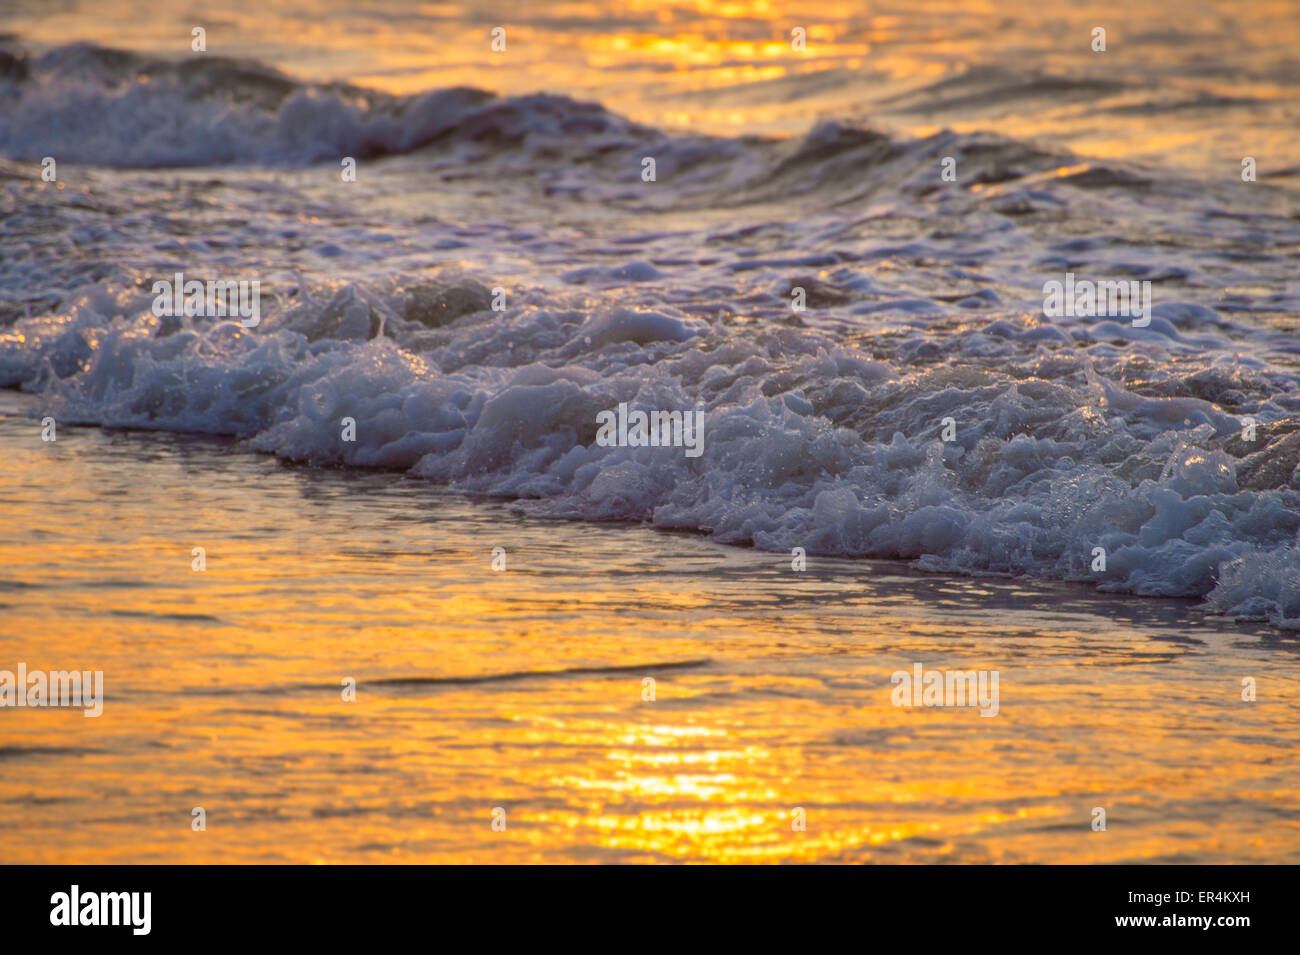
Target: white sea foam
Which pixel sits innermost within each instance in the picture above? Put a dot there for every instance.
(845, 459)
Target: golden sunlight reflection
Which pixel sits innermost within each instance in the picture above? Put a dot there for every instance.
(770, 734)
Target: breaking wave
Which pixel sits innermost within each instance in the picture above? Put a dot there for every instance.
(824, 429)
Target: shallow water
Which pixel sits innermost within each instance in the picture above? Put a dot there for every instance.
(952, 458)
(772, 687)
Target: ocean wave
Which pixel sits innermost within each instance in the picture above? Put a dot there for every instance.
(808, 442)
(920, 408)
(84, 103)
